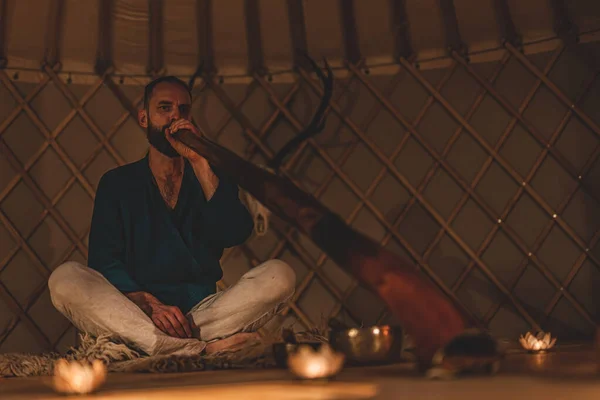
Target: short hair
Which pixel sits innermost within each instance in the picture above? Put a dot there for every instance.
(169, 79)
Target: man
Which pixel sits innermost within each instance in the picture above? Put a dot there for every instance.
(158, 231)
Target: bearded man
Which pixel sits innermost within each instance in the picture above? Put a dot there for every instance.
(158, 231)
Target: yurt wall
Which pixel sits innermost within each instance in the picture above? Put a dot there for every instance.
(465, 139)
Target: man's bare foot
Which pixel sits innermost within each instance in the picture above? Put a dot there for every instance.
(232, 343)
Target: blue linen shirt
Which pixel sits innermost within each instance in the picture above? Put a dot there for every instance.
(139, 244)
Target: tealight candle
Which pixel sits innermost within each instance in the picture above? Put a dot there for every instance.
(541, 342)
(74, 377)
(315, 364)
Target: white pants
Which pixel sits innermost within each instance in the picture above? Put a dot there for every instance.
(95, 306)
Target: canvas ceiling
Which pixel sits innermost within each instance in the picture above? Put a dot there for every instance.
(238, 35)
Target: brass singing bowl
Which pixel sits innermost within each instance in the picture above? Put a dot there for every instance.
(380, 344)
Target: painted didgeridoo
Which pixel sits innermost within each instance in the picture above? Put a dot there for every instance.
(422, 310)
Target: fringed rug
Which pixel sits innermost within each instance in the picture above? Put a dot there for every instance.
(119, 357)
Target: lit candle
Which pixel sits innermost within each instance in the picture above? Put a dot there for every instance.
(75, 377)
(309, 364)
(537, 343)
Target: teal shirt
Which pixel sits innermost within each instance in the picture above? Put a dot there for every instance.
(139, 244)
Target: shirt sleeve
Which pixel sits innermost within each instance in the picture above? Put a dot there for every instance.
(107, 239)
(225, 217)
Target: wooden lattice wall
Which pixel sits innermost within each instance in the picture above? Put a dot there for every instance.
(484, 174)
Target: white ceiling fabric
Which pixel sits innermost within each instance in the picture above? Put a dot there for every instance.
(29, 24)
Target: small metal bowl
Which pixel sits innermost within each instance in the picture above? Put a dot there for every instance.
(373, 345)
(281, 351)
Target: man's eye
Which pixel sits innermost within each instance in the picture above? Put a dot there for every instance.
(164, 108)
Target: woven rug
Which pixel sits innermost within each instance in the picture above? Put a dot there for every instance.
(119, 357)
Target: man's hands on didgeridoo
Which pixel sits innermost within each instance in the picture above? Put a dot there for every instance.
(168, 319)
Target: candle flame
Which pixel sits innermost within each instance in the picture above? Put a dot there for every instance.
(314, 364)
(540, 342)
(78, 377)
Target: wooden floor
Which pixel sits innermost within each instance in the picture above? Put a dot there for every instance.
(568, 373)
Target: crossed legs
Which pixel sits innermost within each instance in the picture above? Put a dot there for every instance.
(94, 306)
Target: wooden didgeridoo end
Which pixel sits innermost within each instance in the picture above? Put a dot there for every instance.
(422, 310)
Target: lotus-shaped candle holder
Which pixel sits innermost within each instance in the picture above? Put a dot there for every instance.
(323, 363)
(75, 377)
(539, 343)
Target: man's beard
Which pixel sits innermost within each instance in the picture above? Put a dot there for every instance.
(157, 137)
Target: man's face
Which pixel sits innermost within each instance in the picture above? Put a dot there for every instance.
(169, 102)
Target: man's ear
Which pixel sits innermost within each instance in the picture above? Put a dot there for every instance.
(143, 118)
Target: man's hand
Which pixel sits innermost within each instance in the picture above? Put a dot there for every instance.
(171, 320)
(168, 319)
(182, 149)
(207, 178)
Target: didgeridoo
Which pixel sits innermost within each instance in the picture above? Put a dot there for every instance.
(422, 310)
